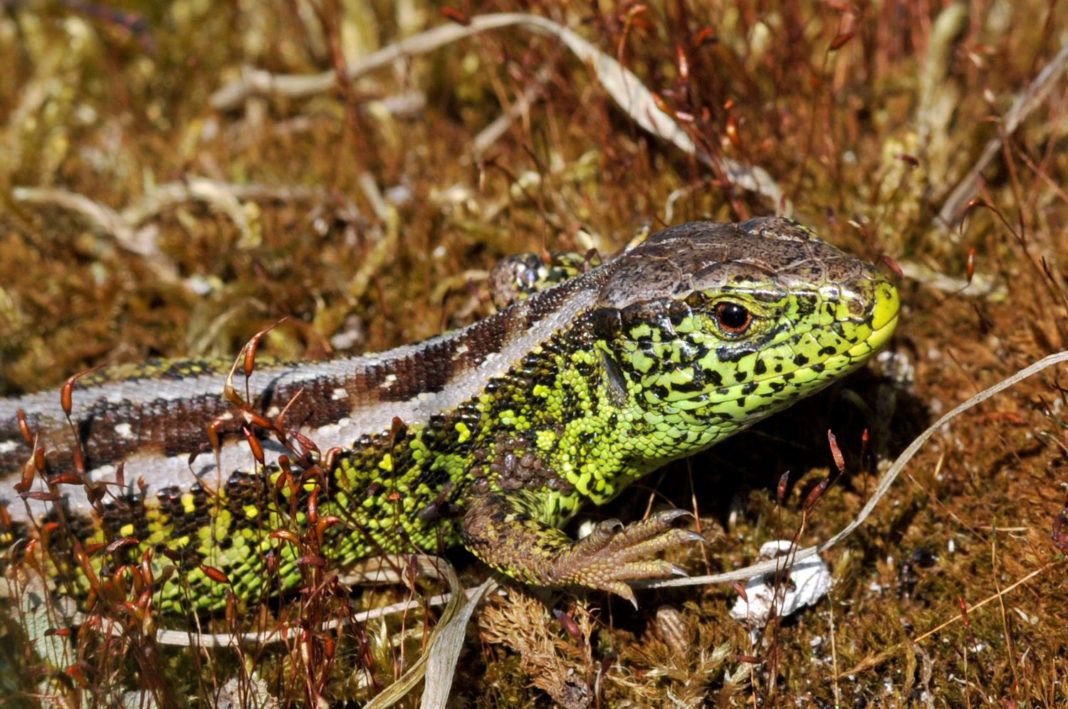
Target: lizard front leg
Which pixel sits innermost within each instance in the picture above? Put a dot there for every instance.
(501, 530)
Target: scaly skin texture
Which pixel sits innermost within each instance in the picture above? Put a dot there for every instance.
(491, 437)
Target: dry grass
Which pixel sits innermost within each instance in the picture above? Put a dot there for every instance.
(380, 220)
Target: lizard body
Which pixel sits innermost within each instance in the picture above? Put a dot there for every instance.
(492, 436)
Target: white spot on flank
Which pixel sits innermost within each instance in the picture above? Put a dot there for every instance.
(226, 416)
(273, 411)
(389, 381)
(8, 446)
(460, 351)
(124, 431)
(339, 394)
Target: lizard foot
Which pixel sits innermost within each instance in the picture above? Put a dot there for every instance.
(614, 554)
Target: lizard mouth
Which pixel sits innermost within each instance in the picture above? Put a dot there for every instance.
(883, 319)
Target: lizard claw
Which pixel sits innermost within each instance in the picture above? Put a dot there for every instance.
(669, 516)
(614, 555)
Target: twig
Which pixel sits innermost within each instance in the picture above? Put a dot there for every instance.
(102, 218)
(493, 132)
(885, 481)
(127, 227)
(982, 285)
(626, 89)
(378, 572)
(957, 617)
(1025, 103)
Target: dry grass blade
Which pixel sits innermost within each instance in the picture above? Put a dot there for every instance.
(126, 227)
(885, 482)
(377, 571)
(982, 285)
(626, 89)
(494, 131)
(444, 650)
(438, 663)
(1021, 108)
(107, 221)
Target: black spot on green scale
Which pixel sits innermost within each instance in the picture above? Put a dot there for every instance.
(695, 385)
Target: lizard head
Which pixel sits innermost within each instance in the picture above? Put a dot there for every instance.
(706, 328)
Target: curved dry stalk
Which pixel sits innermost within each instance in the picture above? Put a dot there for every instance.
(885, 481)
(103, 219)
(34, 587)
(128, 227)
(1021, 108)
(984, 286)
(625, 88)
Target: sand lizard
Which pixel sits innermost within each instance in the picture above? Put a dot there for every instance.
(492, 436)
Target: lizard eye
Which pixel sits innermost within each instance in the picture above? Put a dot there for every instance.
(732, 319)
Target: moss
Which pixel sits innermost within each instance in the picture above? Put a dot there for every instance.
(865, 125)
